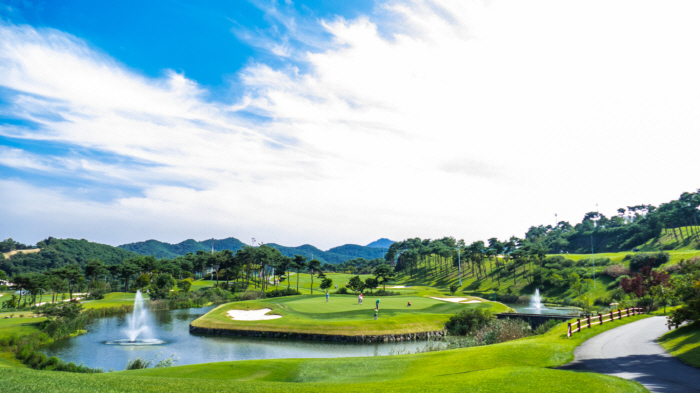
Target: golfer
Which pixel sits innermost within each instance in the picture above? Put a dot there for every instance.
(377, 304)
(375, 314)
(327, 296)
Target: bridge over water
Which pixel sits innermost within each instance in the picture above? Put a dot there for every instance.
(535, 320)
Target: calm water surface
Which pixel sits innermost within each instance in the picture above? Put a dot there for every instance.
(173, 328)
(526, 309)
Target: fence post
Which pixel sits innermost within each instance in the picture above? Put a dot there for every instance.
(578, 324)
(569, 332)
(619, 314)
(600, 318)
(589, 321)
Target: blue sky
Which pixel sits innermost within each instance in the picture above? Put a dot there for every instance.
(332, 122)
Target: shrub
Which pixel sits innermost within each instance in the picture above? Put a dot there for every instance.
(616, 283)
(453, 288)
(503, 330)
(654, 259)
(342, 291)
(667, 247)
(615, 271)
(283, 292)
(506, 298)
(588, 262)
(468, 321)
(547, 326)
(250, 295)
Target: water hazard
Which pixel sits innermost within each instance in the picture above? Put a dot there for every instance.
(172, 328)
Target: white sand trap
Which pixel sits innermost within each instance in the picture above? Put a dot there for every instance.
(400, 286)
(473, 301)
(252, 315)
(451, 299)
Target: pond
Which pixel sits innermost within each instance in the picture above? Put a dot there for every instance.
(527, 309)
(172, 327)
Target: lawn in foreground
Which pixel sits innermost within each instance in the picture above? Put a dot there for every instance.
(516, 366)
(684, 343)
(342, 315)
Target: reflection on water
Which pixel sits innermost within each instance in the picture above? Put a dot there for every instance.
(527, 309)
(173, 328)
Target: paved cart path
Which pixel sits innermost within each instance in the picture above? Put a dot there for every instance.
(631, 352)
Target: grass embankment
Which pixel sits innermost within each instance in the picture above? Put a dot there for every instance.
(683, 239)
(342, 315)
(485, 286)
(684, 343)
(516, 366)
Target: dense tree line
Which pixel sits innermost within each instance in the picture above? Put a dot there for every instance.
(354, 266)
(56, 253)
(631, 227)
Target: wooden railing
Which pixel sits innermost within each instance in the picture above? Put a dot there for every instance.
(600, 319)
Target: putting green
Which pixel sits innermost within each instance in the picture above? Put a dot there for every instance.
(342, 315)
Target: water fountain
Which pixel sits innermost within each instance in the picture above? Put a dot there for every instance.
(536, 303)
(139, 324)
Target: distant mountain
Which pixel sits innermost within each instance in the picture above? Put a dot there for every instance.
(381, 243)
(167, 250)
(334, 255)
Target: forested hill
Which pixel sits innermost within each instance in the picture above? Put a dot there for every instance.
(59, 252)
(334, 255)
(631, 228)
(170, 251)
(381, 243)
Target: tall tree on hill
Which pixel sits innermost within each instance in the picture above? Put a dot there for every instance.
(384, 274)
(298, 263)
(94, 269)
(126, 271)
(285, 264)
(313, 266)
(72, 274)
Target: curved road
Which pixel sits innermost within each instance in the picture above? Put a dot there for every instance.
(631, 352)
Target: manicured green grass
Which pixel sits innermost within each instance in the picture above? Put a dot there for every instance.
(342, 315)
(684, 343)
(19, 326)
(516, 366)
(113, 299)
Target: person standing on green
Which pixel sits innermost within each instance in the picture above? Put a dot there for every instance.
(375, 314)
(377, 304)
(327, 297)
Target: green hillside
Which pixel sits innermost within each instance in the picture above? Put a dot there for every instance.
(59, 252)
(682, 238)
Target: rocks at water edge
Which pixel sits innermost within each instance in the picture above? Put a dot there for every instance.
(434, 335)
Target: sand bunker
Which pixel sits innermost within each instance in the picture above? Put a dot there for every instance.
(451, 299)
(252, 315)
(456, 299)
(400, 286)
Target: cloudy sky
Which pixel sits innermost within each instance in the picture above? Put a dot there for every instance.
(333, 122)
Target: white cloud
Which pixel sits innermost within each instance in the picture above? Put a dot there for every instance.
(472, 120)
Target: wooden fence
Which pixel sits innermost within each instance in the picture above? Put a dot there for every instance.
(600, 319)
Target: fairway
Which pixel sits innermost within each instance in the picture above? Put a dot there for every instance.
(342, 315)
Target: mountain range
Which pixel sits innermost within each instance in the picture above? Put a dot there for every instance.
(339, 254)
